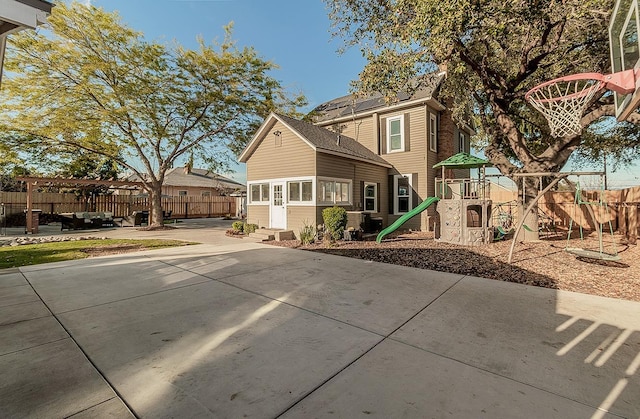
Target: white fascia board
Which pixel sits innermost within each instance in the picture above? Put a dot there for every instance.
(267, 124)
(21, 14)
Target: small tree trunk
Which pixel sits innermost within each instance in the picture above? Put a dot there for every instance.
(155, 213)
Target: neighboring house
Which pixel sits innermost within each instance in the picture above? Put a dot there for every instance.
(361, 154)
(184, 181)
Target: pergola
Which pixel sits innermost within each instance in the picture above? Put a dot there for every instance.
(35, 181)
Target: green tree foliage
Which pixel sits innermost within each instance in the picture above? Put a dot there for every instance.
(494, 52)
(94, 84)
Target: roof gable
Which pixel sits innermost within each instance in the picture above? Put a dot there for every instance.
(199, 178)
(319, 139)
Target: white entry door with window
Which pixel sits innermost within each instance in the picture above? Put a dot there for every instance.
(277, 210)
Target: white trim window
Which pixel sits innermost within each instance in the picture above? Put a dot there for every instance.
(300, 191)
(370, 197)
(395, 134)
(259, 193)
(334, 191)
(182, 193)
(433, 132)
(462, 142)
(402, 194)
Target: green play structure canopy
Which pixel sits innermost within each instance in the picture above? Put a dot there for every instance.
(463, 161)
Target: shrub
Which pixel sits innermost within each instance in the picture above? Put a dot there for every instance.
(307, 233)
(335, 221)
(249, 228)
(238, 226)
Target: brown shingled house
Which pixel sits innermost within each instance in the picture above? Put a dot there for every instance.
(361, 154)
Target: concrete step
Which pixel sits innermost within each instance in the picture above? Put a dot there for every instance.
(262, 236)
(275, 234)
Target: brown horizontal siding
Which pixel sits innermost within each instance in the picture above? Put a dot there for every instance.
(361, 130)
(299, 216)
(286, 156)
(414, 160)
(338, 167)
(258, 214)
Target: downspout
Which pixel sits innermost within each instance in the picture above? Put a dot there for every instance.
(3, 45)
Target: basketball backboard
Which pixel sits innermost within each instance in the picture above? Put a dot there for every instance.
(624, 44)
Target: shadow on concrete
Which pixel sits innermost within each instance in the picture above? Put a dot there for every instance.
(226, 332)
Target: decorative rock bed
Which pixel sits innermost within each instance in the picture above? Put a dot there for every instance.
(21, 241)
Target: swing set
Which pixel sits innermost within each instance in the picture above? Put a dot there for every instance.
(600, 205)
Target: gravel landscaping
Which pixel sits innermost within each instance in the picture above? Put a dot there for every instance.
(544, 263)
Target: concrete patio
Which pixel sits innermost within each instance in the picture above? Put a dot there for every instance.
(233, 328)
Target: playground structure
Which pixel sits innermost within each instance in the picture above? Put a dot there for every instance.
(598, 221)
(464, 207)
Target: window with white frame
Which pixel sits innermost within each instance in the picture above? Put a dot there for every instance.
(402, 193)
(433, 132)
(462, 142)
(300, 191)
(259, 192)
(371, 197)
(334, 191)
(182, 193)
(395, 134)
(206, 194)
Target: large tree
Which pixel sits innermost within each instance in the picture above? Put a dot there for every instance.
(89, 82)
(494, 51)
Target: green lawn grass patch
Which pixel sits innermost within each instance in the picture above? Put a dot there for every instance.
(34, 254)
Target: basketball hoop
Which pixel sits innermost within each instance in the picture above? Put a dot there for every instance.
(563, 101)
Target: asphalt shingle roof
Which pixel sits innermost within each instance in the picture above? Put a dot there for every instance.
(201, 178)
(324, 139)
(350, 104)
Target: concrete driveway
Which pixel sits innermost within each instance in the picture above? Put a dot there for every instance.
(233, 328)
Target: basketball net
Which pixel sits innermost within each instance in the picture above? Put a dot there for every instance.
(563, 101)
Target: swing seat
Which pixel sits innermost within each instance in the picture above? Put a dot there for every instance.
(503, 231)
(591, 254)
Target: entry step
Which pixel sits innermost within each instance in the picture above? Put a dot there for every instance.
(267, 234)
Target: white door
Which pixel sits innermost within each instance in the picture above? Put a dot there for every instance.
(277, 207)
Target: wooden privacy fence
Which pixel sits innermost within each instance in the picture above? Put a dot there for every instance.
(120, 205)
(622, 209)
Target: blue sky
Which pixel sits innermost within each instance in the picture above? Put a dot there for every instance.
(295, 34)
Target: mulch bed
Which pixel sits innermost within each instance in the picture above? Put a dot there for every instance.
(544, 263)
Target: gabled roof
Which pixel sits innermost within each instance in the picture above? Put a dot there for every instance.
(198, 178)
(319, 139)
(463, 161)
(349, 105)
(201, 178)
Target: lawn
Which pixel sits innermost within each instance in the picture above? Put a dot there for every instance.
(34, 254)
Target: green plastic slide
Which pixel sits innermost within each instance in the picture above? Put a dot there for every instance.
(417, 210)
